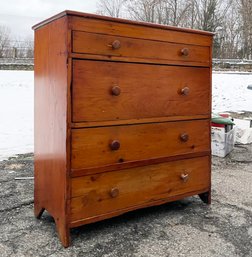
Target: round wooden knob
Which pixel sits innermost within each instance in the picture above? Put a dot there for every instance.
(115, 145)
(184, 177)
(185, 51)
(116, 44)
(185, 91)
(116, 90)
(114, 192)
(184, 137)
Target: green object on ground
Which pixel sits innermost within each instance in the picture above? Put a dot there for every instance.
(221, 120)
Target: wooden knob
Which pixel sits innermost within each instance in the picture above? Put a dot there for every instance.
(116, 44)
(184, 137)
(185, 51)
(185, 91)
(116, 90)
(184, 177)
(115, 145)
(114, 192)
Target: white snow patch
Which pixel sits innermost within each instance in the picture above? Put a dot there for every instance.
(230, 93)
(16, 112)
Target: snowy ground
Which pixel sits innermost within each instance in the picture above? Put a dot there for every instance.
(16, 105)
(16, 112)
(230, 93)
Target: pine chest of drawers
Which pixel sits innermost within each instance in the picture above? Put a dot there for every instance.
(122, 117)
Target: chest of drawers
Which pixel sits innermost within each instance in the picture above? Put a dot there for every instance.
(122, 117)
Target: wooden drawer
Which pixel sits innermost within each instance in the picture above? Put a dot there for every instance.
(119, 190)
(92, 147)
(145, 91)
(140, 50)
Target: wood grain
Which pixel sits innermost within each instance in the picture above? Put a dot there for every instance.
(91, 195)
(108, 215)
(92, 124)
(98, 44)
(133, 164)
(50, 128)
(147, 91)
(131, 59)
(141, 31)
(90, 147)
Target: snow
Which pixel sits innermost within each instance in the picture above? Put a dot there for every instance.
(16, 112)
(230, 93)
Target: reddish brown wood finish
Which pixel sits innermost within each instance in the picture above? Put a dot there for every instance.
(137, 163)
(91, 195)
(140, 30)
(91, 146)
(120, 128)
(93, 124)
(50, 130)
(146, 50)
(161, 85)
(132, 208)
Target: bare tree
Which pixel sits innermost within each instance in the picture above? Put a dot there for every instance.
(4, 39)
(229, 35)
(142, 10)
(22, 48)
(193, 10)
(29, 48)
(245, 7)
(169, 12)
(113, 8)
(174, 12)
(208, 15)
(178, 11)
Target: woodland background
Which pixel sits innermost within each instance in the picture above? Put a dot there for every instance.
(230, 20)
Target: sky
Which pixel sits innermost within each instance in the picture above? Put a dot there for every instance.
(21, 15)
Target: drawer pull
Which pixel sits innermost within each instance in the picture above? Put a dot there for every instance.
(114, 192)
(115, 145)
(184, 137)
(116, 45)
(185, 51)
(116, 90)
(185, 91)
(184, 177)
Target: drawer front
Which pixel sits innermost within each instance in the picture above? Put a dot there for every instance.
(96, 147)
(109, 91)
(140, 50)
(113, 191)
